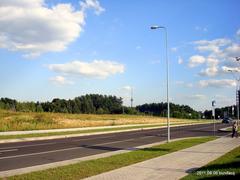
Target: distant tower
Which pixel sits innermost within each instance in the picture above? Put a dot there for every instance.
(131, 97)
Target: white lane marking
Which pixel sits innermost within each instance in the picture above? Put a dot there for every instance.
(114, 142)
(46, 152)
(59, 150)
(29, 145)
(77, 140)
(8, 150)
(31, 154)
(32, 145)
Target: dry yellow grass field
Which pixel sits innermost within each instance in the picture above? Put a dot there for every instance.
(12, 121)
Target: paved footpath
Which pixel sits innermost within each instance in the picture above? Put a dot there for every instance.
(174, 165)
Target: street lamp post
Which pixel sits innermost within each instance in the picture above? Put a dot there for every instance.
(214, 115)
(237, 91)
(167, 62)
(238, 59)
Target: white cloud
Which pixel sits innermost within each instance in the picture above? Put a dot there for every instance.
(182, 83)
(22, 3)
(95, 69)
(174, 49)
(60, 80)
(180, 60)
(217, 42)
(196, 97)
(209, 71)
(212, 61)
(196, 60)
(212, 67)
(94, 4)
(33, 28)
(198, 28)
(238, 32)
(221, 52)
(232, 51)
(127, 88)
(213, 46)
(226, 69)
(222, 83)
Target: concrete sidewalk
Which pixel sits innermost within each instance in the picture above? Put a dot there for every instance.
(174, 165)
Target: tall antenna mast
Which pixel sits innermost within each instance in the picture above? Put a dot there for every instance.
(131, 97)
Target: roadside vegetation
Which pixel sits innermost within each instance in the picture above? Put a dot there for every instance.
(93, 167)
(15, 121)
(78, 132)
(98, 104)
(225, 167)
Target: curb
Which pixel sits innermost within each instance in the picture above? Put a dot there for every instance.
(225, 129)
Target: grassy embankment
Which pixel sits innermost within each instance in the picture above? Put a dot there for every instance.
(225, 167)
(16, 121)
(93, 167)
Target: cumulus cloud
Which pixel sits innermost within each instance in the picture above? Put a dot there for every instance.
(212, 67)
(94, 4)
(217, 83)
(96, 69)
(214, 47)
(217, 42)
(218, 53)
(210, 71)
(196, 60)
(34, 28)
(60, 80)
(232, 51)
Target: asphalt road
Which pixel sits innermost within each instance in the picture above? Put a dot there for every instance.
(26, 154)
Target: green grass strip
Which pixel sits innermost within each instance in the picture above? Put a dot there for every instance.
(94, 167)
(3, 137)
(225, 167)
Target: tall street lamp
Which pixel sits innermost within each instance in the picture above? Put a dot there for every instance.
(237, 91)
(167, 62)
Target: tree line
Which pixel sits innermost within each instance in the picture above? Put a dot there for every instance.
(177, 111)
(103, 104)
(227, 111)
(87, 104)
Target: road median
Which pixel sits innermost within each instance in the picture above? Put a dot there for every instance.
(62, 133)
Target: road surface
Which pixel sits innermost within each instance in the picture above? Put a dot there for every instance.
(26, 154)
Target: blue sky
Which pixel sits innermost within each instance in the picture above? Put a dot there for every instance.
(64, 49)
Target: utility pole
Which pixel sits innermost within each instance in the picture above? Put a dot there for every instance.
(131, 97)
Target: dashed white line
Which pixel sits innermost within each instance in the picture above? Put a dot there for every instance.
(31, 145)
(59, 150)
(8, 150)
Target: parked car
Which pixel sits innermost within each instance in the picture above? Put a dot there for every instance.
(227, 120)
